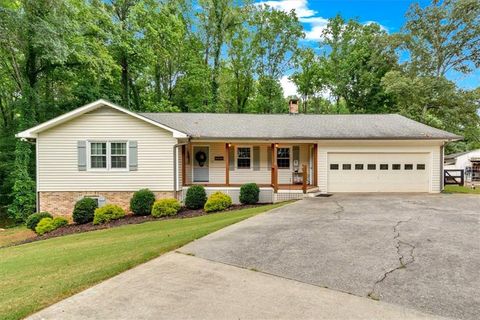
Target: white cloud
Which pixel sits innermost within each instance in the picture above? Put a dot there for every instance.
(289, 88)
(300, 7)
(375, 22)
(314, 24)
(317, 25)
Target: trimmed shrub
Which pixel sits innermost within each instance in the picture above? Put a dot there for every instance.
(84, 210)
(59, 222)
(165, 207)
(249, 193)
(142, 202)
(108, 213)
(218, 201)
(35, 218)
(48, 225)
(196, 197)
(45, 225)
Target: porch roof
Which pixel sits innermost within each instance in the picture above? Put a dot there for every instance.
(299, 126)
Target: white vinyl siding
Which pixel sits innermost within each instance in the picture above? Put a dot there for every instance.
(57, 154)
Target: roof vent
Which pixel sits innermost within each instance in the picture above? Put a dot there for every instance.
(293, 105)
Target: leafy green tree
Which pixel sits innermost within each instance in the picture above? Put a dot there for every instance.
(355, 59)
(217, 18)
(239, 70)
(308, 76)
(443, 36)
(436, 102)
(275, 41)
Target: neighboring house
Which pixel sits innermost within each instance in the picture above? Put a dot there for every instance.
(102, 150)
(468, 161)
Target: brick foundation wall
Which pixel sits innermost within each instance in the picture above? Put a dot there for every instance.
(61, 203)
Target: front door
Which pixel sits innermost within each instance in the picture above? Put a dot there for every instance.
(201, 164)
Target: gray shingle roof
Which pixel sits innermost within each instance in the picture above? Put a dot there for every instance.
(300, 126)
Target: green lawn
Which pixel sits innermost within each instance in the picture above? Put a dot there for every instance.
(35, 275)
(460, 189)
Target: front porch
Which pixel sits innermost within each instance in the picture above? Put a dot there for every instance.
(282, 167)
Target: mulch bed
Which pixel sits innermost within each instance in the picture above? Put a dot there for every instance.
(129, 219)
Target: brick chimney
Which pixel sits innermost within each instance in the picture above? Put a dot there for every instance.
(293, 105)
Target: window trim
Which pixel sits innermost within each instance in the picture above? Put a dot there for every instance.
(349, 165)
(408, 164)
(109, 156)
(421, 164)
(359, 166)
(290, 160)
(384, 164)
(334, 164)
(251, 157)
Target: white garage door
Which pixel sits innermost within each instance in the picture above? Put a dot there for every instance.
(378, 172)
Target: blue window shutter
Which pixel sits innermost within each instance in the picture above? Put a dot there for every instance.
(133, 155)
(256, 158)
(82, 155)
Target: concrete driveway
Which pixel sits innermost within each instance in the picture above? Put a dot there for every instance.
(418, 251)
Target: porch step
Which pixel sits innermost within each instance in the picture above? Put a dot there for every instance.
(318, 194)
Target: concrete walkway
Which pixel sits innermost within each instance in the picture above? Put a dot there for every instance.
(178, 286)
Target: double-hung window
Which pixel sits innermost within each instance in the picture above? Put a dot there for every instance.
(98, 155)
(108, 155)
(283, 158)
(118, 155)
(243, 157)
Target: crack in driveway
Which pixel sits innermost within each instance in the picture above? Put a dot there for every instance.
(405, 257)
(340, 210)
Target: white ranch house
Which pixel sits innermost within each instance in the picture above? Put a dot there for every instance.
(102, 150)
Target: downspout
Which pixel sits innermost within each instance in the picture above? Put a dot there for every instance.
(442, 174)
(175, 164)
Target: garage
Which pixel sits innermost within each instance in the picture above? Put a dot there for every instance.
(378, 172)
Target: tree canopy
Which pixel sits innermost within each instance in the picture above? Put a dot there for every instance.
(223, 56)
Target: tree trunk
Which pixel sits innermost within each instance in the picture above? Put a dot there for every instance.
(125, 81)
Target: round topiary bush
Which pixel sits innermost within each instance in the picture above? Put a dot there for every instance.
(218, 201)
(59, 222)
(84, 210)
(108, 213)
(35, 218)
(44, 226)
(47, 225)
(165, 207)
(196, 197)
(142, 202)
(249, 193)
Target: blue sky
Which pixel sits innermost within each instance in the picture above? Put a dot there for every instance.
(388, 13)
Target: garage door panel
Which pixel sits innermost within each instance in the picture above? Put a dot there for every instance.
(377, 180)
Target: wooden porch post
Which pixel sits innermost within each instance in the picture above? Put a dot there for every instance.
(315, 165)
(274, 174)
(227, 164)
(184, 171)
